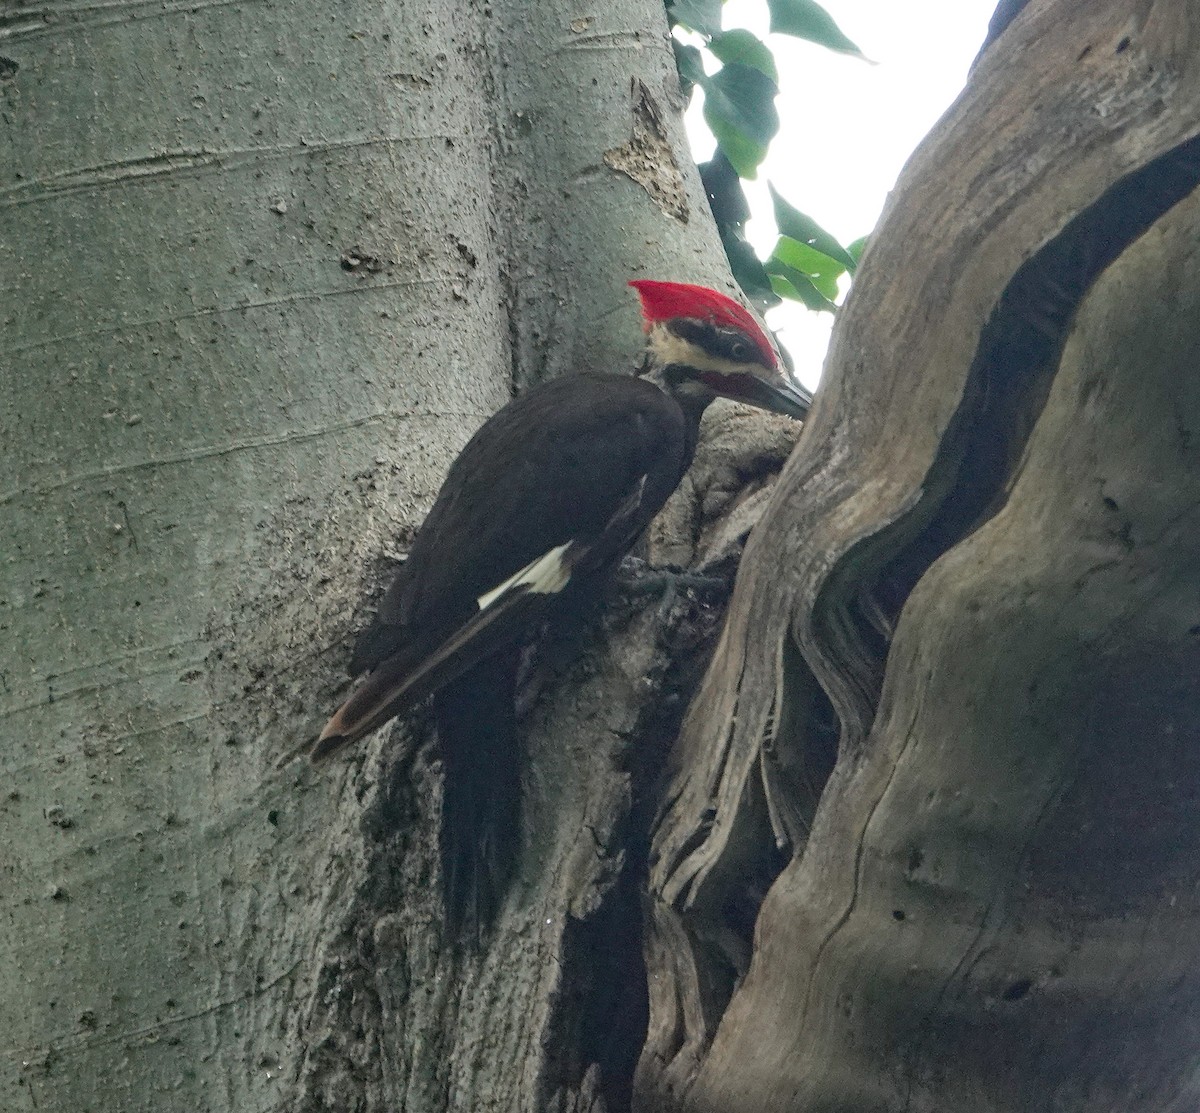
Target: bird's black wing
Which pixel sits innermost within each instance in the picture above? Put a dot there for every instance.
(553, 466)
(510, 607)
(556, 487)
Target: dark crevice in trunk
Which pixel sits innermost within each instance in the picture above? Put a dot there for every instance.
(772, 825)
(605, 1010)
(806, 745)
(1007, 387)
(605, 1000)
(721, 920)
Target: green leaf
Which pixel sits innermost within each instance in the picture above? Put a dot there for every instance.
(792, 222)
(739, 106)
(806, 19)
(690, 64)
(823, 270)
(797, 287)
(806, 258)
(825, 284)
(703, 16)
(740, 45)
(857, 247)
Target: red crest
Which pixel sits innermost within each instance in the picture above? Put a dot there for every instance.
(664, 301)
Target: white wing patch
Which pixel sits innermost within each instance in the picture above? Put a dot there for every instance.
(545, 576)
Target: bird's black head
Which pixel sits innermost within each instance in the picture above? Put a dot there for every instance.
(704, 345)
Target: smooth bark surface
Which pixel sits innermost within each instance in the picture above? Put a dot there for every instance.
(230, 232)
(984, 896)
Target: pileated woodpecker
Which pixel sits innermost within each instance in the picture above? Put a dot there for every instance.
(544, 500)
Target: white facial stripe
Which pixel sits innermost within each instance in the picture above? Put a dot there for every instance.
(545, 576)
(669, 348)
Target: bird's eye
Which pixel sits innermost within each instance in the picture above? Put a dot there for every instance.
(740, 351)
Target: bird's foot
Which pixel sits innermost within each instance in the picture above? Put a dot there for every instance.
(637, 578)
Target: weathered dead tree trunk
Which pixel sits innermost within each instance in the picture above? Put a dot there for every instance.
(960, 685)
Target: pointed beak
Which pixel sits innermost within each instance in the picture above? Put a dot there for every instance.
(781, 397)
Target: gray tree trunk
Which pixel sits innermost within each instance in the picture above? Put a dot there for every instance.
(959, 685)
(266, 268)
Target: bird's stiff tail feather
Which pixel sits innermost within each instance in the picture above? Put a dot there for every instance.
(481, 793)
(402, 681)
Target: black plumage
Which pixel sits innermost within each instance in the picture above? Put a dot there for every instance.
(583, 461)
(540, 505)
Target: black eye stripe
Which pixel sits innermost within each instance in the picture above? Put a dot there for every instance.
(733, 345)
(728, 343)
